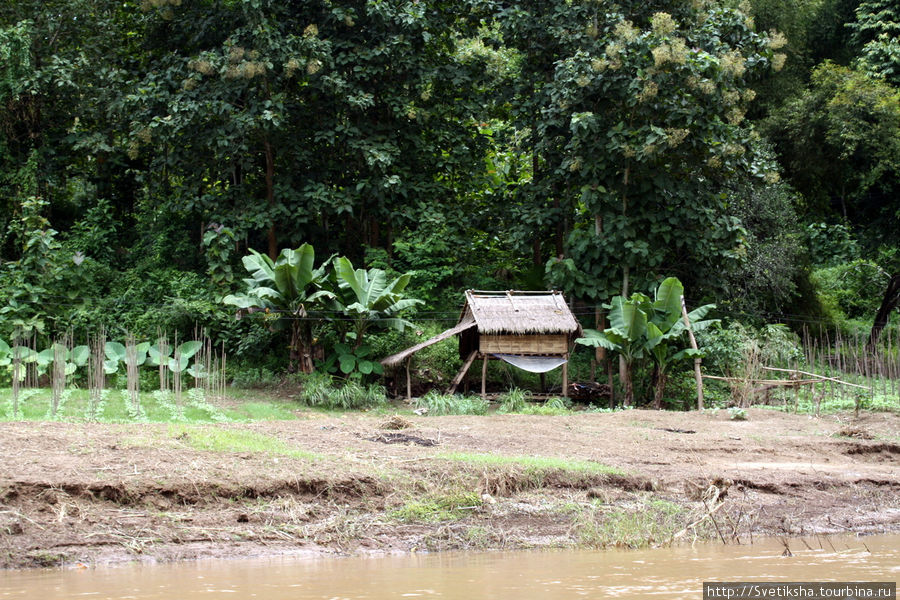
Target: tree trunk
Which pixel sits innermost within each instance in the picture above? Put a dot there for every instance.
(270, 199)
(625, 376)
(300, 358)
(599, 315)
(889, 304)
(659, 386)
(560, 230)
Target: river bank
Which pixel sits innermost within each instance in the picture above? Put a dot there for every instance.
(87, 493)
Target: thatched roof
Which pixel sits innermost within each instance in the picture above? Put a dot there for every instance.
(519, 313)
(396, 359)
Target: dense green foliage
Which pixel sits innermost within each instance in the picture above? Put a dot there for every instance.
(148, 147)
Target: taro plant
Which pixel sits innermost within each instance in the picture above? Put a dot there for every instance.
(354, 362)
(285, 290)
(182, 356)
(5, 354)
(158, 356)
(115, 353)
(22, 356)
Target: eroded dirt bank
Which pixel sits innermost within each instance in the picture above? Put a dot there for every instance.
(95, 493)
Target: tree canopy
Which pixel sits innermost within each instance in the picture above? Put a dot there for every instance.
(145, 147)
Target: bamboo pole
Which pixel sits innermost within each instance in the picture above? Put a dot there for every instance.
(784, 382)
(817, 376)
(698, 376)
(462, 372)
(408, 383)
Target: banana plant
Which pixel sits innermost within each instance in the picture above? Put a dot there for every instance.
(285, 290)
(665, 333)
(626, 335)
(369, 299)
(644, 328)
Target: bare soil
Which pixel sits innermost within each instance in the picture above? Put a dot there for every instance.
(99, 493)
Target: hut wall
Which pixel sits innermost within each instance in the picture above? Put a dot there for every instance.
(468, 342)
(525, 344)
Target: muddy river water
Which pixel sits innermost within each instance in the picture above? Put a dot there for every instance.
(554, 575)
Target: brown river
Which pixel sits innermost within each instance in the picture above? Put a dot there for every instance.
(553, 575)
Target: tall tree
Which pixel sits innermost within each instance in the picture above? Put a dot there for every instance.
(327, 121)
(840, 146)
(650, 111)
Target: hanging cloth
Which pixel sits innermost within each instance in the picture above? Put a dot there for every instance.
(533, 364)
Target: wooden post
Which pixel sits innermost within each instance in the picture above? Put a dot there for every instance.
(484, 377)
(462, 372)
(697, 374)
(543, 377)
(408, 383)
(609, 382)
(565, 377)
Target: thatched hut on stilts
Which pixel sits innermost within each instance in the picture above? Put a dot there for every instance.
(533, 331)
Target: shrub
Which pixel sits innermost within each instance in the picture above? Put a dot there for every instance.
(254, 378)
(737, 414)
(553, 406)
(724, 347)
(514, 401)
(324, 391)
(853, 289)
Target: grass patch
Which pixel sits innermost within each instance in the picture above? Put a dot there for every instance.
(437, 508)
(551, 407)
(534, 463)
(653, 522)
(517, 401)
(445, 404)
(215, 439)
(262, 411)
(877, 402)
